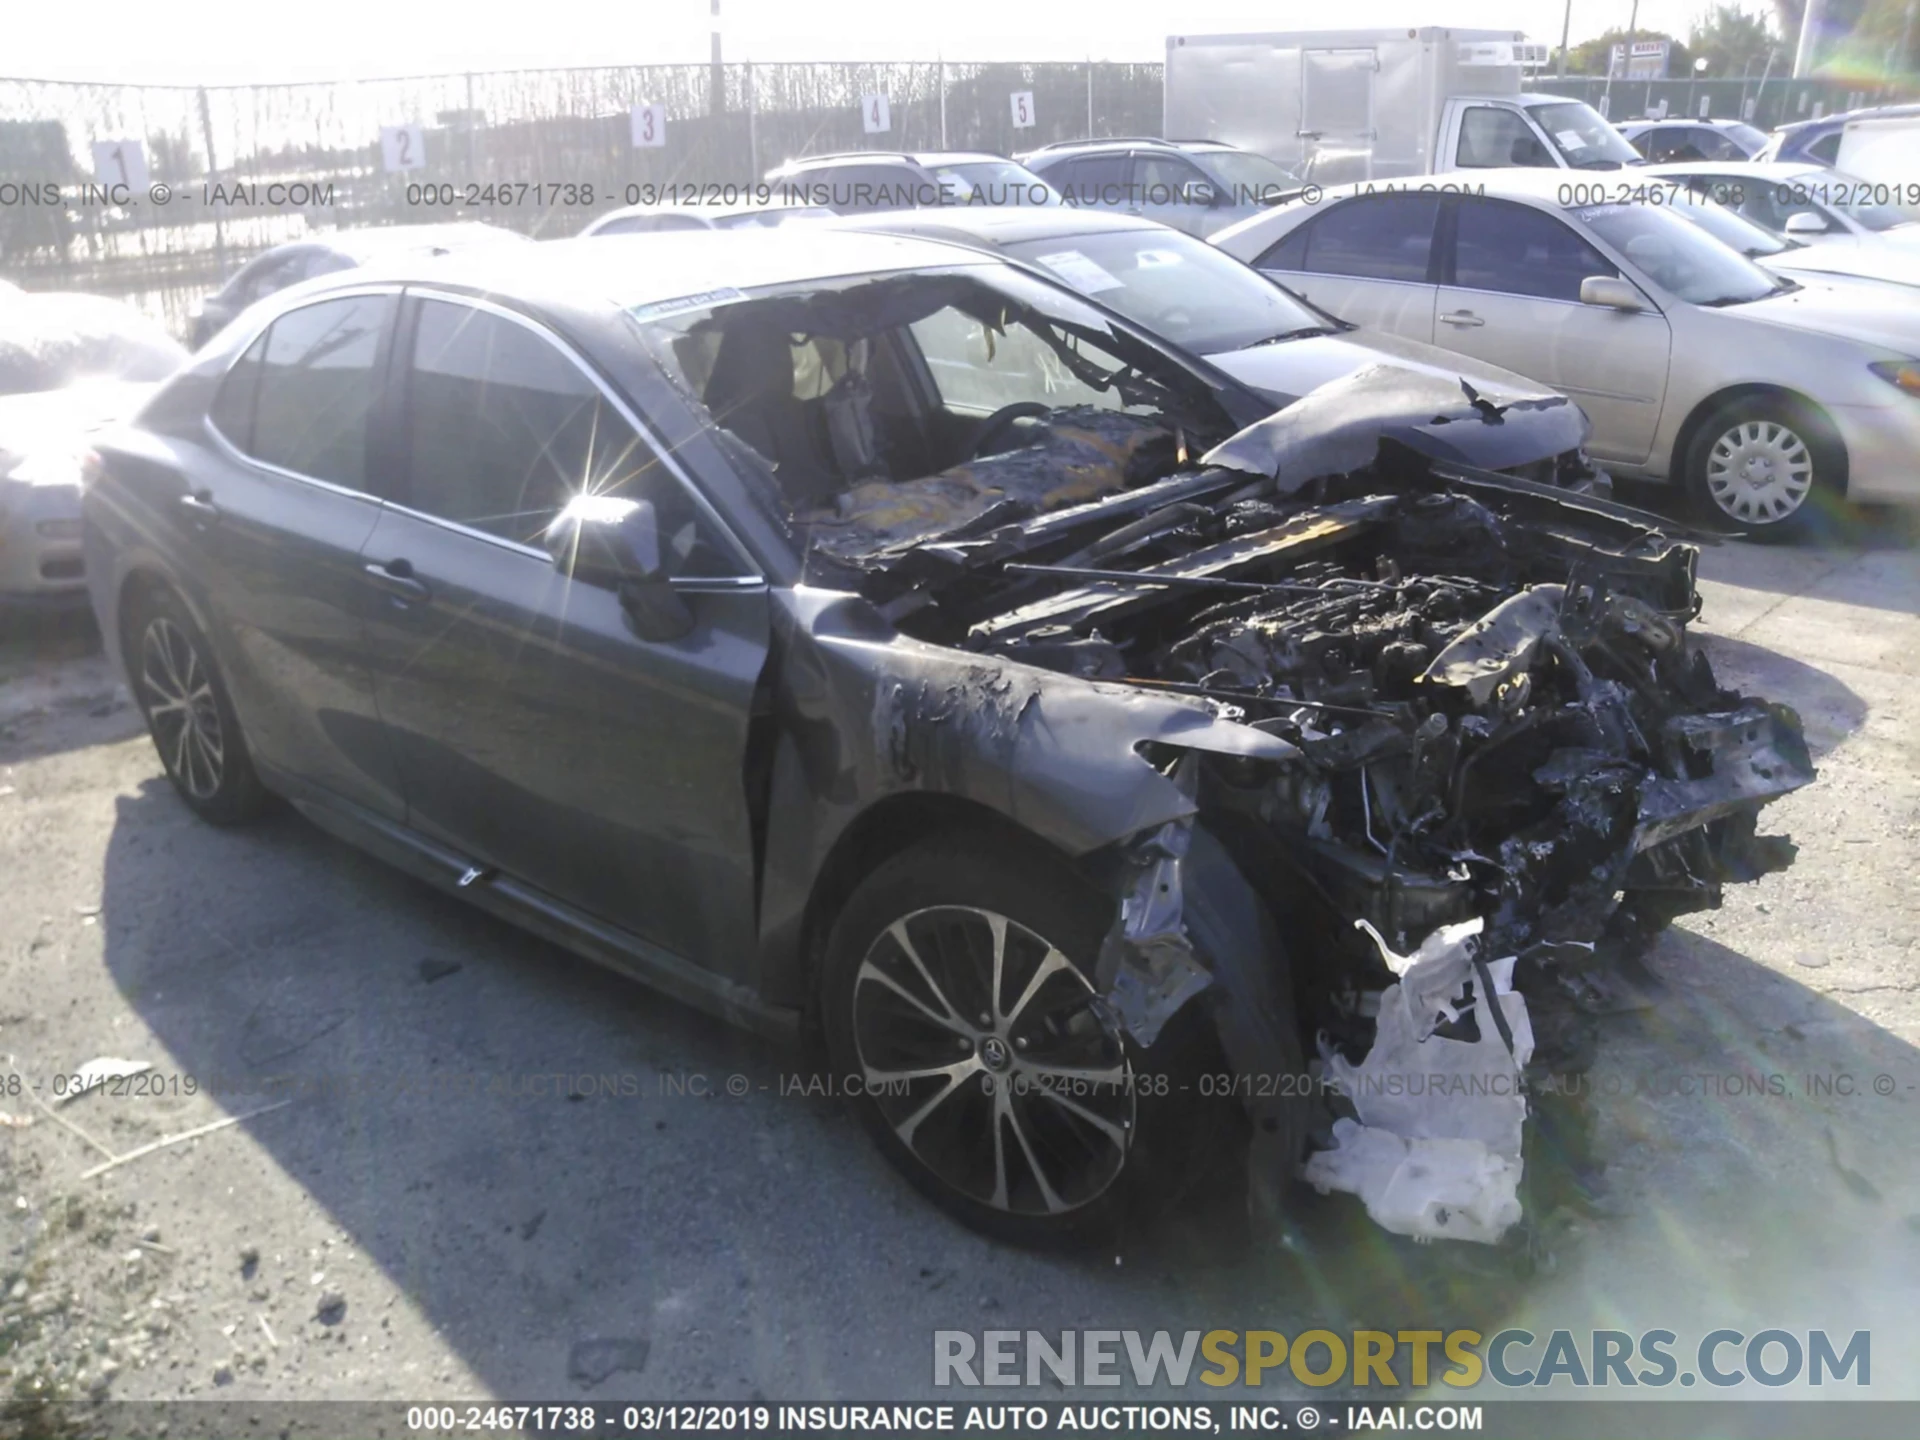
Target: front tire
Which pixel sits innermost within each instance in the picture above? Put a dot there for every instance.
(958, 989)
(1765, 465)
(181, 693)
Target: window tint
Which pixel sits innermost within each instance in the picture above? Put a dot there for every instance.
(1163, 179)
(314, 390)
(232, 408)
(1518, 250)
(1491, 137)
(1376, 237)
(1289, 254)
(1717, 145)
(1082, 180)
(1826, 148)
(504, 429)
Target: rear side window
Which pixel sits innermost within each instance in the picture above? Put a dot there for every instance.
(1826, 149)
(300, 397)
(1375, 237)
(504, 429)
(1517, 250)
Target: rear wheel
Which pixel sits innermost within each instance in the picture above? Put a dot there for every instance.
(1765, 465)
(181, 693)
(958, 995)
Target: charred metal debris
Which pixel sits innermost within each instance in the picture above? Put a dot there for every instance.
(1511, 768)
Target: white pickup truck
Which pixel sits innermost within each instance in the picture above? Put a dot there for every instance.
(1346, 105)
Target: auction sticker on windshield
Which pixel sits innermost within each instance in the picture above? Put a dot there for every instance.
(1079, 272)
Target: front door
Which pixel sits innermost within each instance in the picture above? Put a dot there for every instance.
(535, 730)
(1514, 301)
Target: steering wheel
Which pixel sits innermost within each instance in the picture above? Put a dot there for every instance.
(990, 428)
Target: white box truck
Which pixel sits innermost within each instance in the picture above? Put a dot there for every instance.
(1341, 105)
(1884, 149)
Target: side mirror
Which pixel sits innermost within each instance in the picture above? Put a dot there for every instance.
(1610, 292)
(1199, 192)
(1805, 222)
(614, 543)
(1528, 152)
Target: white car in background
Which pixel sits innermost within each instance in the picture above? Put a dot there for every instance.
(1759, 394)
(1832, 264)
(1843, 220)
(69, 364)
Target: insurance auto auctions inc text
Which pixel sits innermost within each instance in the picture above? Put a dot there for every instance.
(1381, 1358)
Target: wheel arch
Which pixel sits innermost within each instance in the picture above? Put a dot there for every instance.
(1732, 394)
(889, 826)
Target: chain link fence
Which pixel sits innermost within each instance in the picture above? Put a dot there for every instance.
(230, 170)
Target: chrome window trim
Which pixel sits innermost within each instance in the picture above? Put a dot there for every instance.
(748, 577)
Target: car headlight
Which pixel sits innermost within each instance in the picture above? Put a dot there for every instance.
(1901, 374)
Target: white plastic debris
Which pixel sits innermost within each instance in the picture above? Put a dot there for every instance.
(1435, 1152)
(95, 1073)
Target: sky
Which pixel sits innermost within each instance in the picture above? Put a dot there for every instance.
(193, 42)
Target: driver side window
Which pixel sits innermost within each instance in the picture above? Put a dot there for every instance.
(503, 429)
(1491, 138)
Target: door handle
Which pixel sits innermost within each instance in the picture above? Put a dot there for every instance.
(1465, 319)
(396, 577)
(199, 504)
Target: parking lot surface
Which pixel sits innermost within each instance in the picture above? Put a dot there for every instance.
(467, 1159)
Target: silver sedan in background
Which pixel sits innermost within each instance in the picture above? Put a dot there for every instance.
(1765, 397)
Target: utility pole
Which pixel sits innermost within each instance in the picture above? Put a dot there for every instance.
(1606, 94)
(1809, 36)
(1566, 29)
(717, 79)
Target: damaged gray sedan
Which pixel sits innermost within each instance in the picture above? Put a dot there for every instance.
(864, 637)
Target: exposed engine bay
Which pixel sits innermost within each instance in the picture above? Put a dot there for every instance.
(1514, 770)
(1509, 769)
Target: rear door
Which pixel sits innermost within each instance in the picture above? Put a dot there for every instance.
(536, 731)
(275, 520)
(1513, 300)
(1368, 259)
(1336, 111)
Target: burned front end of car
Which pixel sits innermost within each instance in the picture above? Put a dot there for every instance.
(1511, 769)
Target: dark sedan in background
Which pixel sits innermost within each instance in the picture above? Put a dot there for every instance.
(863, 632)
(289, 264)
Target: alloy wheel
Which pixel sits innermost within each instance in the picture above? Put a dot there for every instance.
(178, 694)
(987, 1053)
(1759, 472)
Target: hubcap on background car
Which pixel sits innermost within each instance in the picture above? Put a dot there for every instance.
(983, 1048)
(180, 708)
(1759, 472)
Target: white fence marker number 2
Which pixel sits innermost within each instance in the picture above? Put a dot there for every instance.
(875, 118)
(403, 147)
(1022, 101)
(649, 126)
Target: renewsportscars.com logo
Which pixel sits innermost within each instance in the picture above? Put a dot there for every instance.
(1416, 1358)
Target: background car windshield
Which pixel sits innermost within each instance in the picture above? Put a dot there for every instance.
(1586, 140)
(1728, 228)
(1253, 179)
(997, 182)
(1679, 256)
(1175, 286)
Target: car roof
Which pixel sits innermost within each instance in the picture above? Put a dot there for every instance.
(375, 240)
(1841, 117)
(628, 270)
(1131, 142)
(1770, 170)
(995, 225)
(1646, 122)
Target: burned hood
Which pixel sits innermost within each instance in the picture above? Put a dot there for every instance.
(1338, 428)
